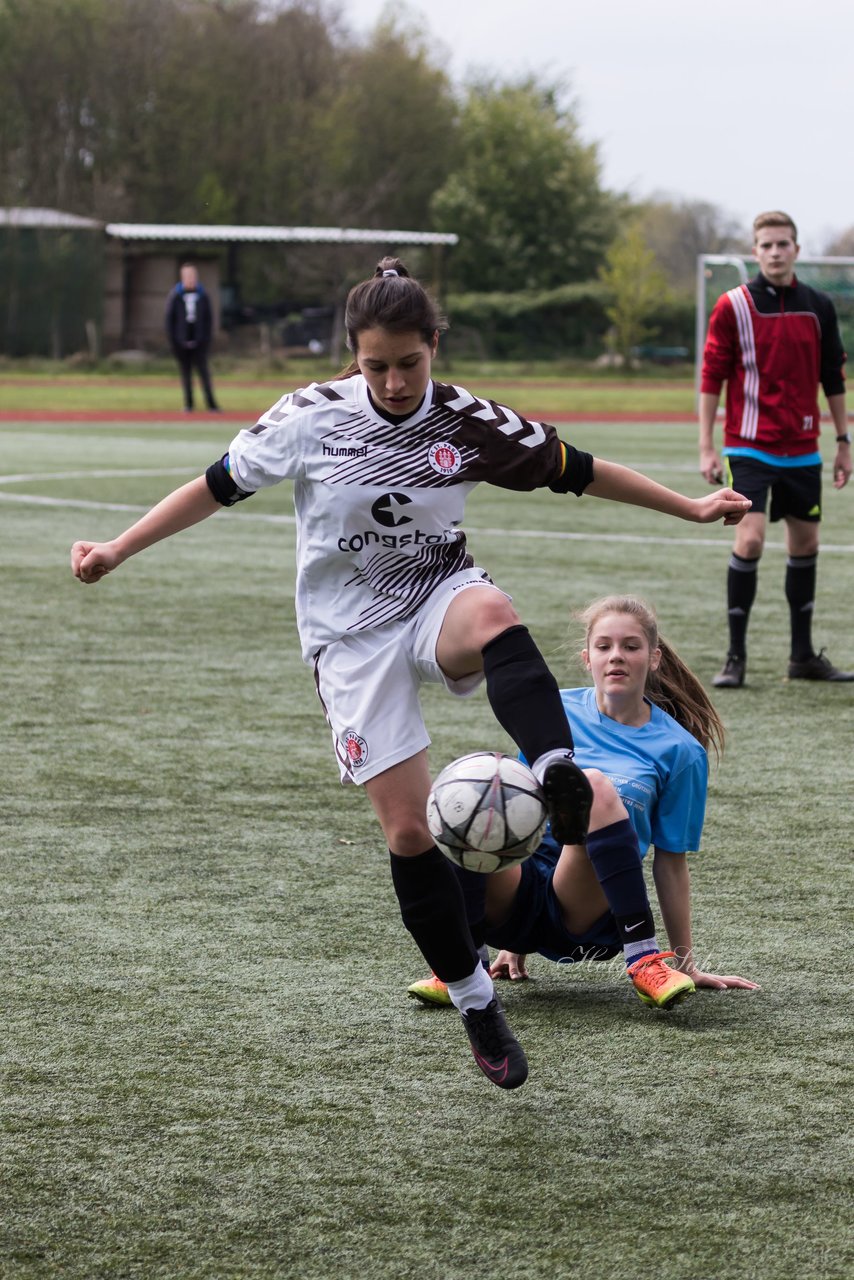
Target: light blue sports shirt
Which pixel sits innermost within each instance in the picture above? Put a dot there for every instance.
(659, 769)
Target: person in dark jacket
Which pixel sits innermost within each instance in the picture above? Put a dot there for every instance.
(189, 324)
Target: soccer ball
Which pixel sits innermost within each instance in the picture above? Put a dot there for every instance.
(486, 811)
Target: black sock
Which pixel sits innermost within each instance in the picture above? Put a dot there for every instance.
(616, 859)
(742, 577)
(524, 694)
(433, 910)
(473, 885)
(800, 593)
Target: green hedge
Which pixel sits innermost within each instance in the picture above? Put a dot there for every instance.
(538, 324)
(53, 282)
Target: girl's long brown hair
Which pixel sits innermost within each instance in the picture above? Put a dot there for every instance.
(673, 687)
(390, 299)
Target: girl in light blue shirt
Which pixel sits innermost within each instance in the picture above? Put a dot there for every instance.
(641, 735)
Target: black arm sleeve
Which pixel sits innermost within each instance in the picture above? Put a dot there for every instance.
(221, 484)
(577, 473)
(832, 353)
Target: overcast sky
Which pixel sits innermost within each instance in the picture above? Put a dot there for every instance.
(747, 105)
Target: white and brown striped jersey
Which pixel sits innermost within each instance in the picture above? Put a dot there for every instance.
(379, 504)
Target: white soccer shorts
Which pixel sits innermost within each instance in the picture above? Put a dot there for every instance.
(369, 684)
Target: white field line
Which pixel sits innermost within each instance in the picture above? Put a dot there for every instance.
(124, 473)
(551, 535)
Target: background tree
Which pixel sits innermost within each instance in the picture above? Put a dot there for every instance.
(140, 108)
(677, 231)
(271, 112)
(842, 245)
(47, 123)
(525, 194)
(636, 285)
(390, 131)
(225, 101)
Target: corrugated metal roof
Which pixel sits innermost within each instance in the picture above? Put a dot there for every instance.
(54, 218)
(300, 235)
(191, 231)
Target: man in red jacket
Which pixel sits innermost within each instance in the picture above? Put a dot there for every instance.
(773, 341)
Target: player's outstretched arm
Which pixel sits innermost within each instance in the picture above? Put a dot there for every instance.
(193, 502)
(622, 484)
(673, 890)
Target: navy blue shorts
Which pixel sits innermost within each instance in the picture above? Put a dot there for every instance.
(795, 491)
(536, 924)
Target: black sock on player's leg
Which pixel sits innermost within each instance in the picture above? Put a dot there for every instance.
(525, 698)
(433, 910)
(742, 579)
(524, 694)
(473, 885)
(800, 594)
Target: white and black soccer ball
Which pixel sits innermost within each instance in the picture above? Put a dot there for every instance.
(486, 811)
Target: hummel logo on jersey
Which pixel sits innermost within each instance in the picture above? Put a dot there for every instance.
(334, 451)
(383, 510)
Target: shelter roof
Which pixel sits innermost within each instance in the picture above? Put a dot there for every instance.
(298, 235)
(54, 218)
(153, 231)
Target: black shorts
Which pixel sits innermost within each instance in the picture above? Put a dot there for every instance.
(535, 923)
(795, 491)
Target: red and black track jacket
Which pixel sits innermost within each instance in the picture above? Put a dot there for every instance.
(773, 346)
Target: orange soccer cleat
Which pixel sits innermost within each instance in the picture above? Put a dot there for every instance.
(430, 990)
(656, 983)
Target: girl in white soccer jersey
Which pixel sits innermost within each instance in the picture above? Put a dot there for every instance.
(641, 734)
(387, 595)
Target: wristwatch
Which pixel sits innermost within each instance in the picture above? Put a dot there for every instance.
(844, 439)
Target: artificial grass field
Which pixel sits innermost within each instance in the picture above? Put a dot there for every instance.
(30, 387)
(210, 1067)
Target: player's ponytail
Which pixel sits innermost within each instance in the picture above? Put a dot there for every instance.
(673, 686)
(676, 689)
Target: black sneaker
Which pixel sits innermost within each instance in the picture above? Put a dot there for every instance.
(496, 1050)
(731, 674)
(569, 798)
(818, 667)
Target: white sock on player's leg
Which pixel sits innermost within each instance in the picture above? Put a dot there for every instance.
(474, 992)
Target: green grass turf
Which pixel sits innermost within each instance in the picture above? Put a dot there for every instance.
(252, 388)
(209, 1065)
